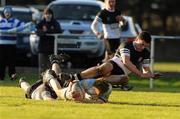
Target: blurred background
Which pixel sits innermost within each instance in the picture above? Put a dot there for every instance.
(159, 17)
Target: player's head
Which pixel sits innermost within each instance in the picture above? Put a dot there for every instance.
(77, 92)
(48, 14)
(142, 41)
(144, 35)
(101, 87)
(110, 3)
(7, 11)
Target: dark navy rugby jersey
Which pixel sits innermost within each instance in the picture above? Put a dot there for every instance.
(136, 57)
(109, 17)
(110, 25)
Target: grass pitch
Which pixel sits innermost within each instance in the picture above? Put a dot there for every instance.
(170, 67)
(162, 102)
(142, 103)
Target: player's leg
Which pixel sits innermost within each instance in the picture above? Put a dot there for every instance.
(56, 68)
(122, 81)
(108, 50)
(102, 70)
(23, 84)
(111, 46)
(41, 93)
(117, 79)
(96, 71)
(50, 78)
(56, 61)
(46, 95)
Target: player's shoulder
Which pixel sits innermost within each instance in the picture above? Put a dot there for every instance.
(89, 80)
(126, 44)
(103, 12)
(146, 51)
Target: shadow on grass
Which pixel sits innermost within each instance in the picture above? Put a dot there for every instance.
(157, 88)
(150, 91)
(159, 85)
(142, 104)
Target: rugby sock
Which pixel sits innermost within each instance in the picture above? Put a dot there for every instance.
(77, 76)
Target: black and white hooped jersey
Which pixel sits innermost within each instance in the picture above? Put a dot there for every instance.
(109, 23)
(137, 58)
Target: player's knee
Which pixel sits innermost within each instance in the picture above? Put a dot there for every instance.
(48, 75)
(105, 69)
(99, 71)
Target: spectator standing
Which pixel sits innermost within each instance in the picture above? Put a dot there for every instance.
(8, 43)
(110, 18)
(48, 25)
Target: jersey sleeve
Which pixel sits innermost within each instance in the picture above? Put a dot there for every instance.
(18, 23)
(100, 15)
(96, 25)
(123, 50)
(146, 58)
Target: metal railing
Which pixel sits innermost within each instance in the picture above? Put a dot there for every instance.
(151, 83)
(59, 35)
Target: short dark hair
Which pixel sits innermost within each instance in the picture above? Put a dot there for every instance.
(102, 85)
(48, 11)
(144, 35)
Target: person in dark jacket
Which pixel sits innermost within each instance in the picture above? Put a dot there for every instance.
(48, 25)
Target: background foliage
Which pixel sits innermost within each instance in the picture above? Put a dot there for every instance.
(160, 17)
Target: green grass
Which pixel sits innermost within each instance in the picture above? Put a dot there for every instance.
(142, 103)
(167, 67)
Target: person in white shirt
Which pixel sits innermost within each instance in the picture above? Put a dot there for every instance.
(111, 20)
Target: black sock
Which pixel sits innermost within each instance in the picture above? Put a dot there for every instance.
(77, 76)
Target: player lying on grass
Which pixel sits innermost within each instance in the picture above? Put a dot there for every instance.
(39, 90)
(54, 86)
